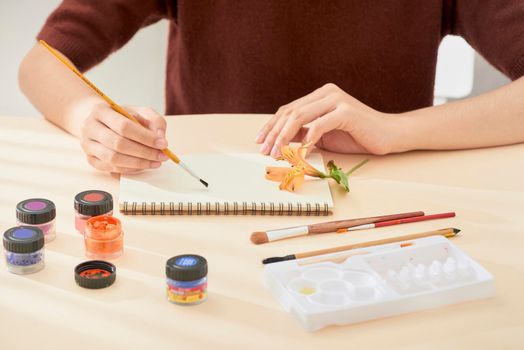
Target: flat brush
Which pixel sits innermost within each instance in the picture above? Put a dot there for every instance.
(447, 232)
(325, 227)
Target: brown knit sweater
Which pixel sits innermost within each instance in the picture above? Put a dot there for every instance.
(256, 55)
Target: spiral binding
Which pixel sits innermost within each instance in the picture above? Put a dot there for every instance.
(216, 208)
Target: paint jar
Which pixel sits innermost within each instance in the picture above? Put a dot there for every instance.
(186, 279)
(91, 203)
(38, 212)
(24, 249)
(103, 237)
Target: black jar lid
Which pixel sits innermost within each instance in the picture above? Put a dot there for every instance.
(187, 267)
(35, 211)
(95, 274)
(23, 239)
(93, 202)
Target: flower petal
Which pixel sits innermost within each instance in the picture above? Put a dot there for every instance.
(275, 173)
(290, 154)
(293, 180)
(310, 170)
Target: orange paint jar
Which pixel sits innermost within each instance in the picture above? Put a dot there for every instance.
(103, 237)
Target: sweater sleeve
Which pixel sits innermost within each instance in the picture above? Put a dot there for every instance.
(87, 31)
(495, 29)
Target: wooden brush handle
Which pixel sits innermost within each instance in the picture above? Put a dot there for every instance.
(335, 225)
(337, 260)
(448, 232)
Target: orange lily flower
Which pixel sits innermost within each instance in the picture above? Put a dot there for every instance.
(291, 178)
(297, 157)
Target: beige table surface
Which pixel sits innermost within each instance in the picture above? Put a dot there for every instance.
(47, 310)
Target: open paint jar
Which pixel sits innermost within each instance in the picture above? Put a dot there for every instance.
(38, 212)
(186, 279)
(103, 237)
(24, 249)
(95, 274)
(91, 203)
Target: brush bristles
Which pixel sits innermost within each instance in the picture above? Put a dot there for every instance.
(272, 260)
(276, 259)
(204, 183)
(259, 237)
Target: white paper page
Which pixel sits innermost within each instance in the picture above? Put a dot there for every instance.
(231, 177)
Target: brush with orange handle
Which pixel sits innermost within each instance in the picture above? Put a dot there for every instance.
(118, 108)
(447, 232)
(341, 258)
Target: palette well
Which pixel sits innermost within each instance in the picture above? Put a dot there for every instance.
(387, 280)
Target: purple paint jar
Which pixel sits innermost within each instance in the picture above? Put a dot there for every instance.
(24, 249)
(38, 212)
(91, 203)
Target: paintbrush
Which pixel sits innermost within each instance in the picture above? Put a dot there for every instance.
(339, 259)
(325, 227)
(398, 222)
(447, 232)
(118, 108)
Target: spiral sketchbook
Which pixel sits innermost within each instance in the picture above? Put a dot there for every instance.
(237, 186)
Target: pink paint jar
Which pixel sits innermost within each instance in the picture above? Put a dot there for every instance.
(38, 212)
(89, 204)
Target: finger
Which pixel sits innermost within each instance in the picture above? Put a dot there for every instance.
(155, 121)
(282, 112)
(328, 122)
(115, 142)
(116, 159)
(300, 135)
(298, 119)
(304, 100)
(262, 134)
(128, 129)
(103, 166)
(271, 137)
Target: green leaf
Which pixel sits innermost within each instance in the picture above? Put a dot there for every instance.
(338, 175)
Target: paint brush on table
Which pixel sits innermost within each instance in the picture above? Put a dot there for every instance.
(325, 227)
(397, 222)
(339, 259)
(447, 232)
(119, 109)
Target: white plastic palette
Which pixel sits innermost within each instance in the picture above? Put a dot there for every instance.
(381, 281)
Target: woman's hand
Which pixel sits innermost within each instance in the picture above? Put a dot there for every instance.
(115, 144)
(335, 121)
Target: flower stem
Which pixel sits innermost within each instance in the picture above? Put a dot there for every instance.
(352, 170)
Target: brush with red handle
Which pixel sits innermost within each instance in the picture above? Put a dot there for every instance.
(397, 222)
(324, 227)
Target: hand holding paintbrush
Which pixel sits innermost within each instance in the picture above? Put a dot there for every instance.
(116, 107)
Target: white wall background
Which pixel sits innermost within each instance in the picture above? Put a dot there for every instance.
(133, 75)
